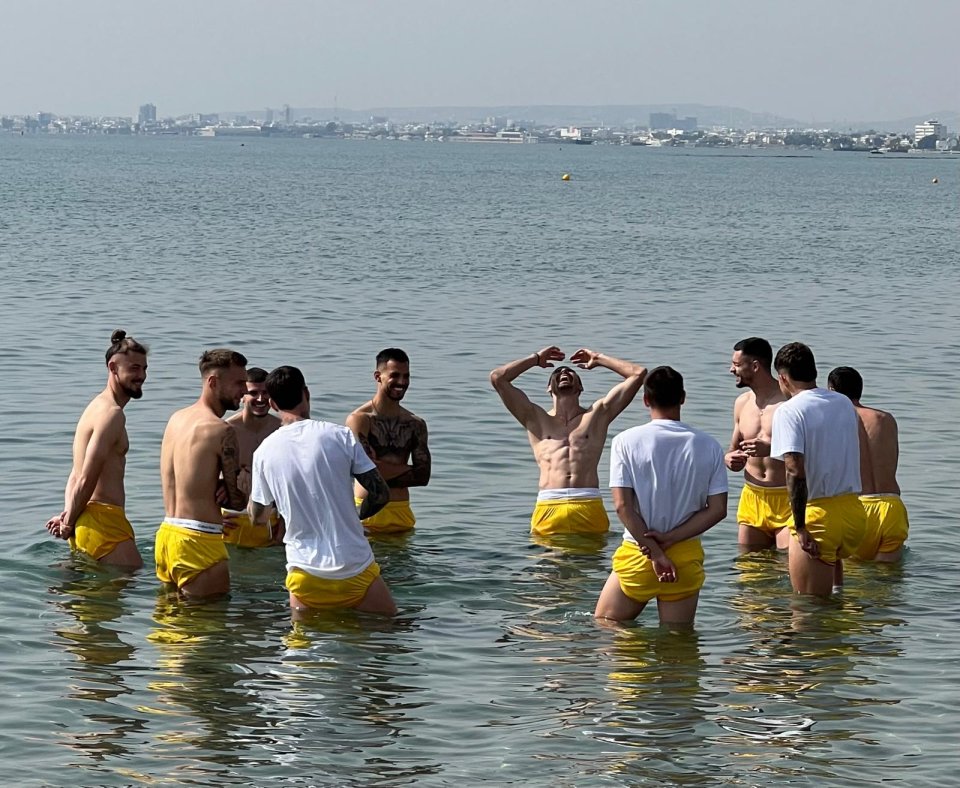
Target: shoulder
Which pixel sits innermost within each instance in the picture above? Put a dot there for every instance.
(362, 417)
(743, 400)
(236, 418)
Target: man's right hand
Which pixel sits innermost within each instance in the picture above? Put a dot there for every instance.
(548, 354)
(665, 570)
(55, 526)
(735, 460)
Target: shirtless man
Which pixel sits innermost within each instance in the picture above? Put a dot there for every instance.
(395, 439)
(93, 518)
(198, 449)
(567, 441)
(764, 508)
(252, 424)
(816, 434)
(887, 522)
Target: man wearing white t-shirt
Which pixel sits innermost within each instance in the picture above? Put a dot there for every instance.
(306, 470)
(669, 486)
(816, 434)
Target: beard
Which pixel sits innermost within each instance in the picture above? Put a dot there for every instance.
(132, 392)
(229, 404)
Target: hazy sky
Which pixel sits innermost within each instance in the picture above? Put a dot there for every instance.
(856, 59)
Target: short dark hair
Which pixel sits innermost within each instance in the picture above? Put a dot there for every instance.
(392, 354)
(846, 381)
(256, 375)
(796, 359)
(757, 348)
(663, 387)
(285, 385)
(220, 358)
(121, 343)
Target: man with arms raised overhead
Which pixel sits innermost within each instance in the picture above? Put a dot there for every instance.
(252, 424)
(887, 522)
(568, 440)
(815, 433)
(669, 486)
(764, 509)
(306, 470)
(200, 453)
(93, 518)
(395, 439)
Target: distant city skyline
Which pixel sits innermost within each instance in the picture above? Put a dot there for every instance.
(817, 62)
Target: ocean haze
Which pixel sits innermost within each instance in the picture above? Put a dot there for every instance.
(809, 62)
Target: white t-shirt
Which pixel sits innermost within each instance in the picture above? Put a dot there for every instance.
(822, 426)
(306, 469)
(672, 469)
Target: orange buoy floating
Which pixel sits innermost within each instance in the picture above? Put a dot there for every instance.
(565, 176)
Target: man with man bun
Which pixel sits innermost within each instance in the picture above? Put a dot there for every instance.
(200, 455)
(816, 434)
(93, 517)
(887, 521)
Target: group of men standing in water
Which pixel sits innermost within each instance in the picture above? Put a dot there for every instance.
(819, 475)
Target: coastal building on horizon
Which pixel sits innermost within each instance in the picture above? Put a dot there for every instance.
(931, 128)
(147, 114)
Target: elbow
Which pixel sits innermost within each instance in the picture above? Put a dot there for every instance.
(496, 379)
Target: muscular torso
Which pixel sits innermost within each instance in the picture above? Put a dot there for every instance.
(190, 464)
(568, 453)
(249, 437)
(879, 472)
(756, 424)
(109, 487)
(392, 440)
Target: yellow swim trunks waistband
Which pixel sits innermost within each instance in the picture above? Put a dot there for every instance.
(195, 525)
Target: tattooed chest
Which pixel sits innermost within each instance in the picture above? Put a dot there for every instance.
(391, 436)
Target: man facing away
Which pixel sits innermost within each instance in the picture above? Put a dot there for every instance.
(306, 470)
(815, 433)
(395, 439)
(200, 453)
(567, 440)
(93, 518)
(669, 486)
(764, 509)
(887, 522)
(252, 424)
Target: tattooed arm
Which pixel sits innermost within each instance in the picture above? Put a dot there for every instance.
(378, 494)
(230, 468)
(418, 474)
(797, 490)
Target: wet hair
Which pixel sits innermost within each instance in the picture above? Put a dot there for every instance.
(846, 381)
(663, 387)
(757, 348)
(256, 375)
(285, 385)
(392, 354)
(220, 358)
(121, 343)
(796, 359)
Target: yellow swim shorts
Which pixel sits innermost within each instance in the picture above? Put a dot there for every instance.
(324, 594)
(887, 525)
(246, 534)
(394, 518)
(569, 516)
(181, 553)
(765, 508)
(99, 529)
(639, 582)
(838, 524)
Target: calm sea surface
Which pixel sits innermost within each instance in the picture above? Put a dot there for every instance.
(319, 254)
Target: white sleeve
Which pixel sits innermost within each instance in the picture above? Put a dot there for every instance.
(788, 435)
(259, 489)
(718, 482)
(360, 462)
(619, 473)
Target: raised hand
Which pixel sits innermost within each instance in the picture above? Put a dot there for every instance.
(548, 354)
(585, 358)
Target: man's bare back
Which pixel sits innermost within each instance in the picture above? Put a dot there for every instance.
(882, 445)
(198, 449)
